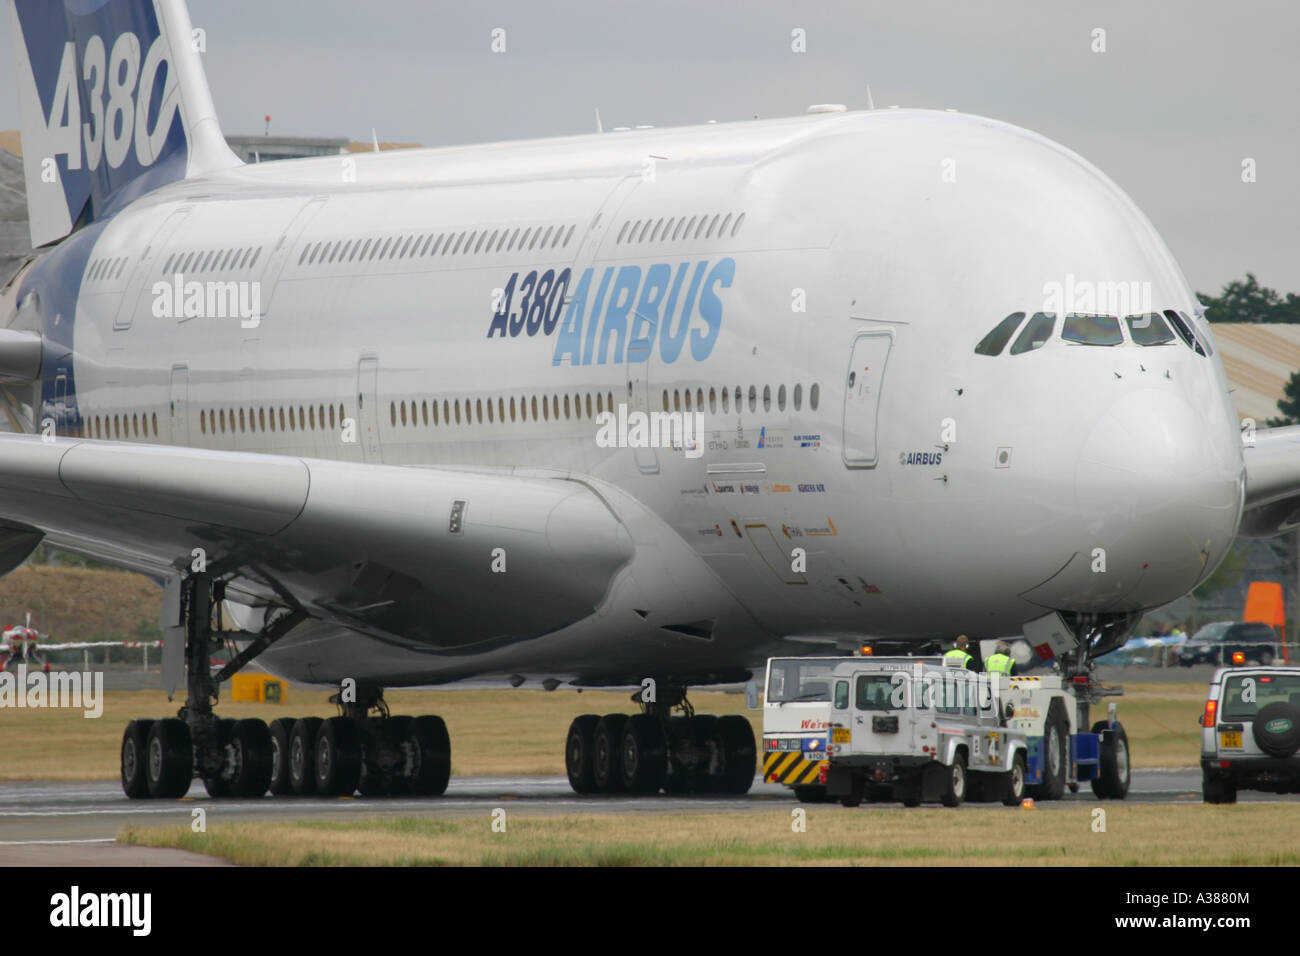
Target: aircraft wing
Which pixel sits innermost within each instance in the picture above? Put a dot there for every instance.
(438, 556)
(1272, 482)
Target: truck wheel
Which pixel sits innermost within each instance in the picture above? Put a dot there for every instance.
(1216, 789)
(857, 786)
(1112, 780)
(954, 786)
(1014, 789)
(911, 792)
(1056, 754)
(1277, 729)
(811, 795)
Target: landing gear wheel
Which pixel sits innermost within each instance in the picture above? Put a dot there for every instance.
(644, 754)
(430, 753)
(954, 786)
(219, 786)
(302, 755)
(1216, 789)
(135, 743)
(1055, 755)
(681, 735)
(251, 752)
(1113, 774)
(338, 758)
(606, 760)
(397, 780)
(739, 754)
(170, 767)
(705, 778)
(577, 753)
(281, 730)
(1014, 792)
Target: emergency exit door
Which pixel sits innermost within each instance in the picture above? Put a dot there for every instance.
(864, 380)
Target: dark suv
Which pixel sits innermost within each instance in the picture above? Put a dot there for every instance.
(1216, 643)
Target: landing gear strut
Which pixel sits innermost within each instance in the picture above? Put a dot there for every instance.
(658, 749)
(363, 748)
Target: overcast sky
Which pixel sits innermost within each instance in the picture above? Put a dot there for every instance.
(1184, 92)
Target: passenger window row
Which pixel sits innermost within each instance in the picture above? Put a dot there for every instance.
(212, 260)
(106, 268)
(417, 245)
(1145, 329)
(681, 401)
(678, 228)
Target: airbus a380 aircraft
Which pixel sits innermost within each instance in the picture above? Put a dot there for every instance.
(360, 405)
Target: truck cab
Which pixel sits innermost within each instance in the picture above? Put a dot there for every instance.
(796, 716)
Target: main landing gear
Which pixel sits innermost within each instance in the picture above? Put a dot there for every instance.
(658, 750)
(364, 748)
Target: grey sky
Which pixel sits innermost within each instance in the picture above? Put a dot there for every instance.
(1185, 91)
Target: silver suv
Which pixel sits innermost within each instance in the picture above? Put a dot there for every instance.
(1250, 732)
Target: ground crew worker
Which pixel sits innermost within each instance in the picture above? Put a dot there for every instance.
(1000, 661)
(959, 652)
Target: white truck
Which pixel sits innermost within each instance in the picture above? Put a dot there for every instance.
(796, 716)
(991, 725)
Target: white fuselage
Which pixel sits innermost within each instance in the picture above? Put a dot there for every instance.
(964, 492)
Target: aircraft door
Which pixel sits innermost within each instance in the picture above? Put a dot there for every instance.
(864, 379)
(368, 408)
(179, 406)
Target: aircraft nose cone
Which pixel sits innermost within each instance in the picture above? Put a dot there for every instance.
(1158, 489)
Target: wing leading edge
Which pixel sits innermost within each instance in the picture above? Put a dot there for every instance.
(440, 558)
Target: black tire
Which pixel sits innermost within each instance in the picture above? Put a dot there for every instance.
(577, 753)
(170, 766)
(397, 734)
(1114, 770)
(739, 754)
(1056, 755)
(643, 754)
(302, 755)
(606, 758)
(681, 734)
(1276, 729)
(1216, 789)
(218, 787)
(811, 795)
(857, 789)
(338, 757)
(251, 746)
(1013, 791)
(281, 730)
(954, 781)
(135, 745)
(430, 752)
(706, 776)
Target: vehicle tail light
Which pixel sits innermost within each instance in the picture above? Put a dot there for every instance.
(1211, 710)
(1081, 680)
(821, 772)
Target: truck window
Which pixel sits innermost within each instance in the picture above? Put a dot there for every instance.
(955, 694)
(794, 679)
(881, 692)
(1265, 688)
(841, 695)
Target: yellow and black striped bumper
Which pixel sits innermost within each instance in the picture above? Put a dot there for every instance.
(790, 768)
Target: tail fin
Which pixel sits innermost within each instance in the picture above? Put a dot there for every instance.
(114, 104)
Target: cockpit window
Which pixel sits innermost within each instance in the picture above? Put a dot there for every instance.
(1084, 329)
(1184, 331)
(1202, 337)
(1149, 329)
(996, 341)
(1035, 333)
